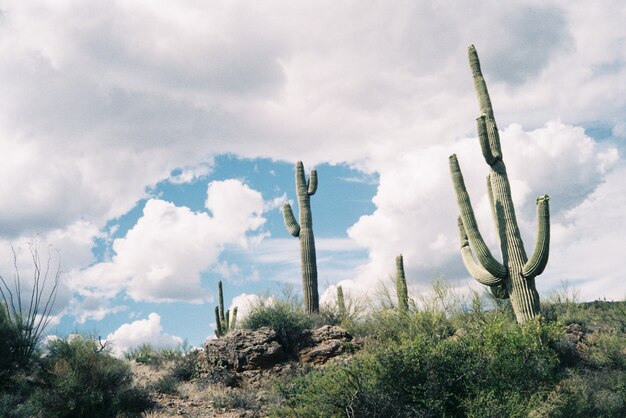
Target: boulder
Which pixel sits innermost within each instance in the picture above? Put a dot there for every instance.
(244, 349)
(320, 345)
(247, 351)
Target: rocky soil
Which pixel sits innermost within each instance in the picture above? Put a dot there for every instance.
(236, 373)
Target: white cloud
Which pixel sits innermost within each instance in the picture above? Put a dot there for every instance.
(143, 331)
(246, 302)
(101, 101)
(162, 257)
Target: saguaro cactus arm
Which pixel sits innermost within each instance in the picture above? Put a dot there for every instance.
(474, 269)
(218, 323)
(539, 259)
(290, 221)
(312, 187)
(233, 319)
(493, 266)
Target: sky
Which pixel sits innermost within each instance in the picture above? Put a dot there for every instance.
(148, 147)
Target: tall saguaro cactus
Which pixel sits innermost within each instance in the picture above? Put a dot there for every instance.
(223, 323)
(401, 289)
(515, 276)
(304, 231)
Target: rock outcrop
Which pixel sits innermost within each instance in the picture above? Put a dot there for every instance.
(245, 350)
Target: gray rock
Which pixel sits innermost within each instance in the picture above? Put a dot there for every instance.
(244, 349)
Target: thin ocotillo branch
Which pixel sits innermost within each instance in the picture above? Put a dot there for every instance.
(31, 322)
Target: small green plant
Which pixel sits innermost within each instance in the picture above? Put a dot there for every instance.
(223, 322)
(286, 319)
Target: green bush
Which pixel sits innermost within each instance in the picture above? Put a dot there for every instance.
(81, 379)
(147, 354)
(446, 377)
(286, 319)
(12, 343)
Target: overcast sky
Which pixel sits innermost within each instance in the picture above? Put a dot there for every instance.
(150, 144)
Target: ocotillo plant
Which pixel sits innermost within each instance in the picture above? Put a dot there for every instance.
(223, 323)
(515, 276)
(304, 231)
(341, 304)
(401, 289)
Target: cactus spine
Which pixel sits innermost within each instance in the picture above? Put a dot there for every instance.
(401, 289)
(341, 303)
(223, 323)
(515, 276)
(304, 231)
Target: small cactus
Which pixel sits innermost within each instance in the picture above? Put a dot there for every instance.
(515, 276)
(401, 289)
(304, 231)
(341, 303)
(223, 321)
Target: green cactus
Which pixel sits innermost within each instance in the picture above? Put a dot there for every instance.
(515, 276)
(304, 231)
(401, 289)
(223, 322)
(341, 303)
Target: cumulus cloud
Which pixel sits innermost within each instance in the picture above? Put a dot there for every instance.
(102, 101)
(143, 331)
(162, 257)
(246, 302)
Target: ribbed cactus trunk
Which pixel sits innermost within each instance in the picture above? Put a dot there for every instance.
(401, 289)
(304, 231)
(341, 303)
(515, 276)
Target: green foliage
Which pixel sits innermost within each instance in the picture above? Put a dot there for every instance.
(186, 367)
(153, 356)
(449, 377)
(81, 379)
(166, 384)
(12, 350)
(286, 319)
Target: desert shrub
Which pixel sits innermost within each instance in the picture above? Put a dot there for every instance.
(445, 377)
(166, 384)
(286, 319)
(185, 367)
(229, 398)
(153, 356)
(584, 393)
(12, 343)
(606, 350)
(81, 379)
